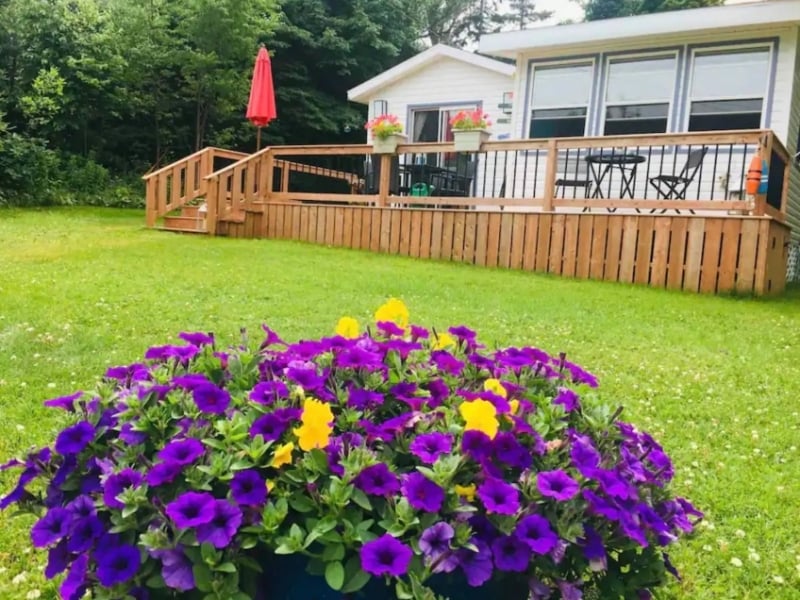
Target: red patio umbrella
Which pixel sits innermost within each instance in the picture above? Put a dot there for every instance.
(261, 107)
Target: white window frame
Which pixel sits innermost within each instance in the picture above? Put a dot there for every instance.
(673, 99)
(727, 49)
(578, 62)
(441, 109)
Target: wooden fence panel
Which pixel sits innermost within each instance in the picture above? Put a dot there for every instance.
(693, 253)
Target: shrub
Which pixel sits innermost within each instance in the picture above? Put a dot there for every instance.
(397, 454)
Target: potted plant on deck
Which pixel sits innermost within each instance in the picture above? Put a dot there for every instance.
(390, 463)
(470, 130)
(387, 133)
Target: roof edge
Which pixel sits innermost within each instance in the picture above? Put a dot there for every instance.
(361, 92)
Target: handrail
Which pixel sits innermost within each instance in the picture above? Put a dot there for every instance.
(220, 151)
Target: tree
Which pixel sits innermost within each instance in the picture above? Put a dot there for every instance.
(457, 22)
(606, 9)
(523, 13)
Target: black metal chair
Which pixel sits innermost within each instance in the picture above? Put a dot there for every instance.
(575, 177)
(457, 182)
(674, 187)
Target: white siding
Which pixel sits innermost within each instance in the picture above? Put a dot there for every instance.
(447, 81)
(793, 210)
(782, 95)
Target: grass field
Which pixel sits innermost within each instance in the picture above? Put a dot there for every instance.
(714, 378)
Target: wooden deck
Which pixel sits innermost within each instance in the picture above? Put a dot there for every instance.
(514, 214)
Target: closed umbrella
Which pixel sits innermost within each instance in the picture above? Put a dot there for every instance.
(261, 107)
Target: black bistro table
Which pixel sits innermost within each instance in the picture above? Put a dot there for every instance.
(602, 164)
(416, 173)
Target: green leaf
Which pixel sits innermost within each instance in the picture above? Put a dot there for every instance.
(301, 503)
(334, 575)
(285, 549)
(208, 554)
(333, 552)
(226, 567)
(356, 582)
(320, 460)
(203, 578)
(360, 498)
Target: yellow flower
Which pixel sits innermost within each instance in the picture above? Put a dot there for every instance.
(282, 456)
(347, 327)
(480, 415)
(393, 311)
(494, 386)
(466, 491)
(313, 436)
(443, 340)
(514, 404)
(317, 419)
(270, 485)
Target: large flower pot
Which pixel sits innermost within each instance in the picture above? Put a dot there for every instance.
(286, 578)
(470, 140)
(388, 145)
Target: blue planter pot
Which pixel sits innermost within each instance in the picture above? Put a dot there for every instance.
(285, 578)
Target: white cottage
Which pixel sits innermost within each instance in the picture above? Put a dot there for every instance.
(427, 90)
(720, 69)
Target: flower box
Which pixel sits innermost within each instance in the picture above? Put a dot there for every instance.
(470, 140)
(388, 144)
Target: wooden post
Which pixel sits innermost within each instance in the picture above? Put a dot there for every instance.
(266, 179)
(284, 176)
(151, 201)
(206, 168)
(550, 175)
(765, 150)
(386, 178)
(212, 202)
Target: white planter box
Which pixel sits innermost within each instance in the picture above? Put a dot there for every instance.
(470, 140)
(389, 144)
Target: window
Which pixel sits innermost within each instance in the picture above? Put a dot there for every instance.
(433, 124)
(728, 90)
(639, 95)
(560, 100)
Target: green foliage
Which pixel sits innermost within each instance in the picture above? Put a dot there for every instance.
(607, 9)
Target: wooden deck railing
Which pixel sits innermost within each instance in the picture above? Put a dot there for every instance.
(605, 174)
(171, 187)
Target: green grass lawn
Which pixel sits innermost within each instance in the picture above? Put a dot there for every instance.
(714, 378)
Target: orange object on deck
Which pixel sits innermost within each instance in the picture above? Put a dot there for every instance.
(754, 176)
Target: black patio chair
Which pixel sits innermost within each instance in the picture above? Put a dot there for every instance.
(457, 182)
(575, 177)
(674, 187)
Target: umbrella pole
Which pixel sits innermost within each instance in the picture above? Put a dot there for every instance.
(258, 140)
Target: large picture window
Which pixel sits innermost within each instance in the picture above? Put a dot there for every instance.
(728, 89)
(560, 100)
(639, 94)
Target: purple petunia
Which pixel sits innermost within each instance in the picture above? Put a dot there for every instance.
(58, 559)
(476, 444)
(511, 554)
(75, 584)
(535, 532)
(567, 398)
(593, 549)
(499, 497)
(422, 493)
(117, 564)
(248, 488)
(163, 473)
(182, 452)
(435, 546)
(557, 484)
(130, 436)
(377, 480)
(74, 440)
(601, 506)
(429, 446)
(270, 426)
(191, 509)
(83, 534)
(117, 483)
(267, 392)
(362, 399)
(223, 525)
(508, 450)
(477, 566)
(197, 338)
(176, 568)
(211, 399)
(51, 528)
(583, 454)
(64, 402)
(385, 556)
(82, 507)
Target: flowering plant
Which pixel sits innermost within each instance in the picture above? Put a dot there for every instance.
(397, 455)
(470, 119)
(383, 126)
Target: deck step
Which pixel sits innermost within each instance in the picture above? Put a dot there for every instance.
(190, 211)
(178, 230)
(184, 223)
